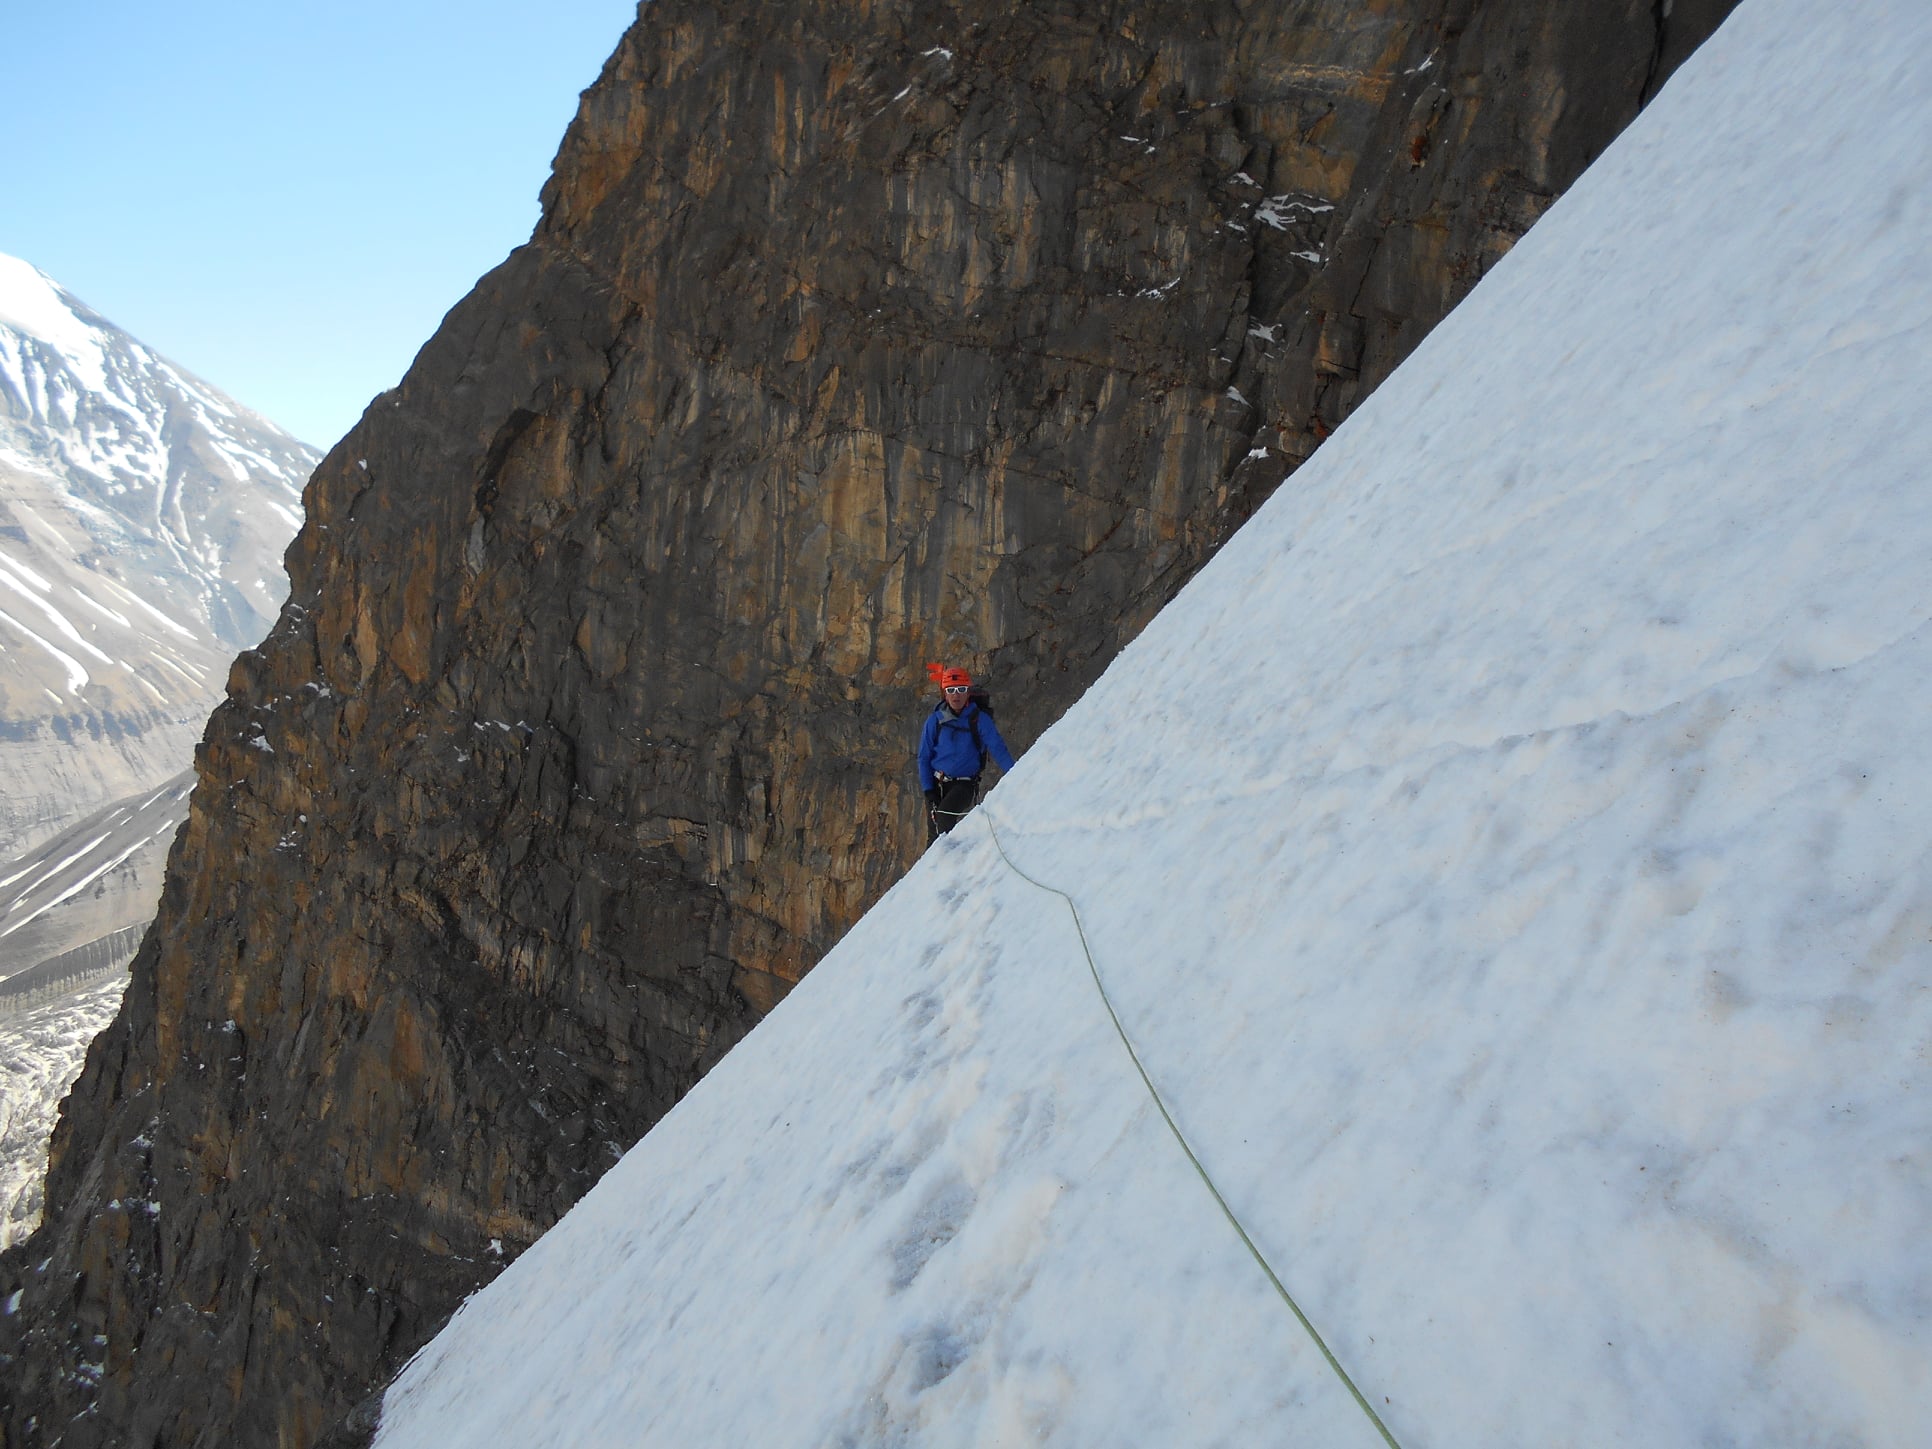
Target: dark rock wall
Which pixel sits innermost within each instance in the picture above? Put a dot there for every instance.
(854, 335)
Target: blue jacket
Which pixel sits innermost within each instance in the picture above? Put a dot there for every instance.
(946, 744)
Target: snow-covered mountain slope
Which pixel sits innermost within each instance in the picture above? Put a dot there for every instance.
(1511, 859)
(143, 516)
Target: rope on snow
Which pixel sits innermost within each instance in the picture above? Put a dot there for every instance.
(1221, 1202)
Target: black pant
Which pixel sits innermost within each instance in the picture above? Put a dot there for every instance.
(956, 797)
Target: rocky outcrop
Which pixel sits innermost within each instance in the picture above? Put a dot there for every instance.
(853, 336)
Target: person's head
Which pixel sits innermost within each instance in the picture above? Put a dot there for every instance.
(955, 687)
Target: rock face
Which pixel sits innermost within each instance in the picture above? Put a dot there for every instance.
(853, 336)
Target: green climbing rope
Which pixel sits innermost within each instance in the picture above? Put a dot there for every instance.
(1281, 1288)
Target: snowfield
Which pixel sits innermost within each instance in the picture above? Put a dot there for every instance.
(1511, 860)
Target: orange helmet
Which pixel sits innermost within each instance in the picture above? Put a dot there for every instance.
(948, 678)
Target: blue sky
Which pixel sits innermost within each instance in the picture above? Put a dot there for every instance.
(285, 199)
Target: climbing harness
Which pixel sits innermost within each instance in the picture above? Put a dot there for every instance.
(957, 795)
(1280, 1288)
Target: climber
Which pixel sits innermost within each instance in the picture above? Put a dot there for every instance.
(953, 749)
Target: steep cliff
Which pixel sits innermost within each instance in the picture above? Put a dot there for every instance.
(853, 336)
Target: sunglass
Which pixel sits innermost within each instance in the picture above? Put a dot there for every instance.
(958, 689)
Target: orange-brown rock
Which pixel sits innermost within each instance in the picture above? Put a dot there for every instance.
(854, 335)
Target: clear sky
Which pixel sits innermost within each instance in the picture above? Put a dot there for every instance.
(285, 198)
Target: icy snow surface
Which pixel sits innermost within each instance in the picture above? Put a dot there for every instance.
(1512, 858)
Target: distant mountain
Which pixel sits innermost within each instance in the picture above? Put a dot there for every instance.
(143, 515)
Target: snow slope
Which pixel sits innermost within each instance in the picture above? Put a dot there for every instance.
(1511, 858)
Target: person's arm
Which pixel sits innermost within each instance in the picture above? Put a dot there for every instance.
(989, 736)
(928, 736)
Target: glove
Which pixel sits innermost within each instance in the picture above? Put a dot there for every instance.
(932, 796)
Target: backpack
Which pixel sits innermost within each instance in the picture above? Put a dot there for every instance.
(980, 697)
